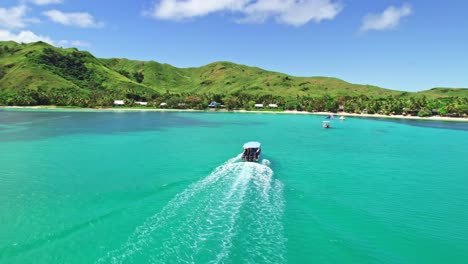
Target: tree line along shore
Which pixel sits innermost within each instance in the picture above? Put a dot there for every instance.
(410, 106)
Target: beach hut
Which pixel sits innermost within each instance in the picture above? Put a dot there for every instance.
(258, 105)
(273, 106)
(142, 103)
(213, 104)
(119, 102)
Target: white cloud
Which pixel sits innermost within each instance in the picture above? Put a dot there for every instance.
(389, 19)
(83, 20)
(13, 17)
(25, 36)
(46, 2)
(292, 12)
(179, 9)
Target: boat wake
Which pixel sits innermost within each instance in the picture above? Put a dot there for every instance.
(232, 215)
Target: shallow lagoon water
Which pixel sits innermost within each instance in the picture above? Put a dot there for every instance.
(168, 187)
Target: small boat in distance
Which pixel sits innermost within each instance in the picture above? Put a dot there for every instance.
(342, 118)
(326, 124)
(252, 151)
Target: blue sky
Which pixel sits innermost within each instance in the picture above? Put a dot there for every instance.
(403, 45)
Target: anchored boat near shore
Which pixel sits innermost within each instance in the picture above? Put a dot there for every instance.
(252, 151)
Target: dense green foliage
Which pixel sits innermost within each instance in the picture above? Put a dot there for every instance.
(40, 74)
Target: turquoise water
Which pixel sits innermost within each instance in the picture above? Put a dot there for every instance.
(157, 187)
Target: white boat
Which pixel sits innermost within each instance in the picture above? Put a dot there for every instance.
(252, 151)
(326, 124)
(342, 118)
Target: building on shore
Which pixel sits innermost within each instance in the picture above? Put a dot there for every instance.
(213, 104)
(119, 102)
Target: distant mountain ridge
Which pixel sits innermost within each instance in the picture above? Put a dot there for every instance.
(41, 68)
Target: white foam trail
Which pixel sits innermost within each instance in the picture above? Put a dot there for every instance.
(266, 162)
(265, 221)
(226, 242)
(140, 237)
(214, 220)
(202, 223)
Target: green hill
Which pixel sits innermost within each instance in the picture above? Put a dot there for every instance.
(230, 78)
(41, 70)
(38, 73)
(445, 92)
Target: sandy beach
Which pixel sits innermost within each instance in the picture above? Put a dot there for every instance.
(438, 118)
(337, 115)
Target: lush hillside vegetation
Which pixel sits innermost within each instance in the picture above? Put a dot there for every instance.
(230, 78)
(445, 92)
(40, 74)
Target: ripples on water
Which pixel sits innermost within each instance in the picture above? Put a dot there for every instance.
(426, 123)
(95, 187)
(238, 206)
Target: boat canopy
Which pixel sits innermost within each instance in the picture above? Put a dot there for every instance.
(251, 144)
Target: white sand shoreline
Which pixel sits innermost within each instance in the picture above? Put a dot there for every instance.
(434, 118)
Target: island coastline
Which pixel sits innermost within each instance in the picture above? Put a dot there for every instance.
(336, 115)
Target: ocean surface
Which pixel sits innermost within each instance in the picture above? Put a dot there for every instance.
(169, 187)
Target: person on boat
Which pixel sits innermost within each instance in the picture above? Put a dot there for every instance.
(257, 153)
(247, 154)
